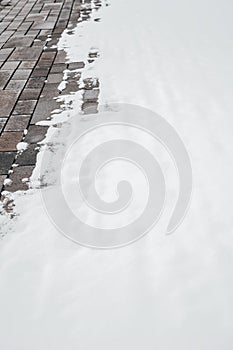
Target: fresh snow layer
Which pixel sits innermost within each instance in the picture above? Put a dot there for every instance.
(162, 292)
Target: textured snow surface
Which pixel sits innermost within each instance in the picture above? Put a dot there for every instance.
(163, 292)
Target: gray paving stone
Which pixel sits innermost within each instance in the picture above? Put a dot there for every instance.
(6, 160)
(16, 84)
(21, 74)
(30, 94)
(17, 123)
(20, 173)
(24, 107)
(28, 157)
(36, 133)
(2, 123)
(7, 102)
(26, 54)
(19, 41)
(4, 77)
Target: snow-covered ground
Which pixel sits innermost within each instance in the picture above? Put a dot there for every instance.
(162, 292)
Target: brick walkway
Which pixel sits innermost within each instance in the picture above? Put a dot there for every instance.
(30, 70)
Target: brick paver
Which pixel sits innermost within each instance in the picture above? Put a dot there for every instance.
(31, 69)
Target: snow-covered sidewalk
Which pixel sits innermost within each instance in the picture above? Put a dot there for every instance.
(165, 292)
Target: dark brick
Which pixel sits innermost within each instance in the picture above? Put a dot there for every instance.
(28, 157)
(6, 160)
(36, 133)
(35, 83)
(2, 179)
(20, 173)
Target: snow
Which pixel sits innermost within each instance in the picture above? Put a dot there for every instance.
(165, 292)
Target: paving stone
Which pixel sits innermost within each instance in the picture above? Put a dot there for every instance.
(6, 160)
(4, 77)
(16, 84)
(2, 123)
(40, 72)
(76, 65)
(9, 140)
(43, 109)
(90, 107)
(91, 95)
(2, 179)
(20, 173)
(55, 78)
(21, 74)
(20, 41)
(44, 25)
(17, 123)
(36, 133)
(28, 157)
(4, 53)
(58, 68)
(27, 64)
(35, 83)
(24, 107)
(26, 54)
(26, 60)
(11, 65)
(30, 94)
(7, 102)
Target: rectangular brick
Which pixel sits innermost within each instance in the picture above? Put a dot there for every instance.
(36, 133)
(2, 123)
(4, 77)
(27, 64)
(21, 74)
(17, 123)
(24, 107)
(26, 54)
(7, 102)
(11, 65)
(2, 179)
(16, 84)
(19, 41)
(35, 83)
(20, 173)
(9, 140)
(6, 160)
(5, 53)
(30, 94)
